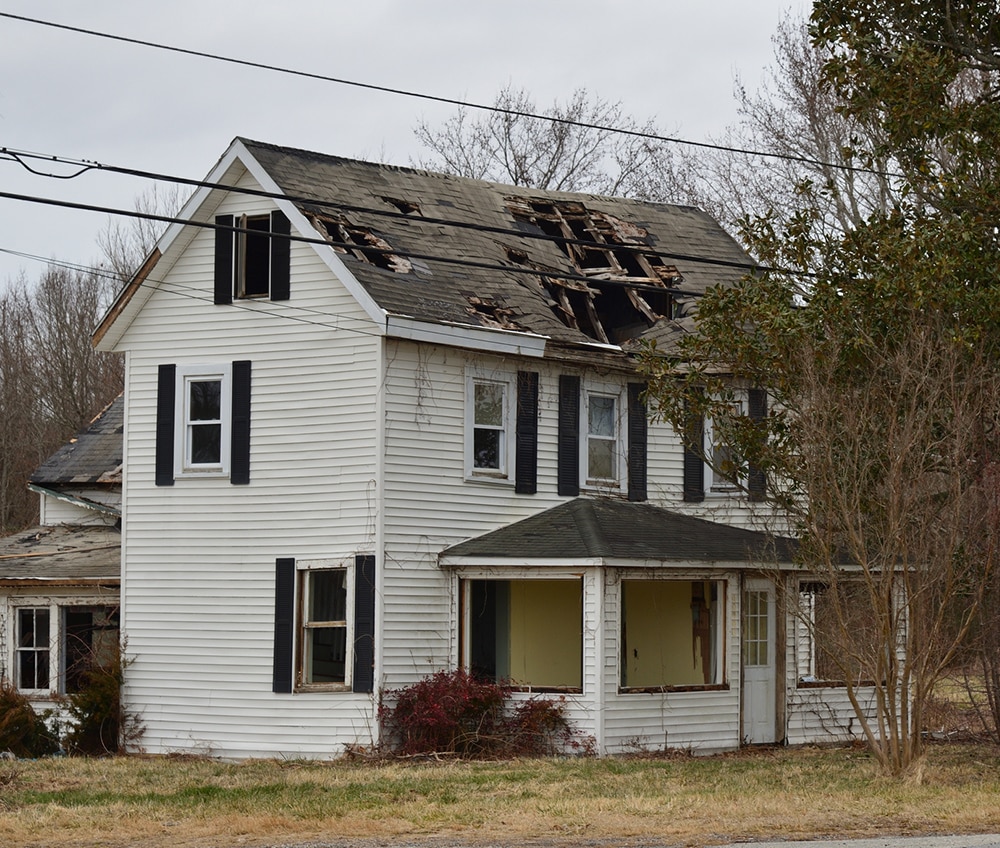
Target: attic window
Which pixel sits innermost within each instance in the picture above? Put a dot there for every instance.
(364, 244)
(605, 309)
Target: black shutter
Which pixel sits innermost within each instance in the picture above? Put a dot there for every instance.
(224, 259)
(239, 460)
(284, 624)
(281, 245)
(569, 435)
(637, 434)
(166, 388)
(363, 679)
(526, 434)
(756, 480)
(694, 462)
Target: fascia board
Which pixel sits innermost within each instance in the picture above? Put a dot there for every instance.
(518, 562)
(507, 342)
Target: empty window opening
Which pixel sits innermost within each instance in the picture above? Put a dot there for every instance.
(671, 633)
(364, 244)
(90, 641)
(253, 267)
(528, 632)
(837, 634)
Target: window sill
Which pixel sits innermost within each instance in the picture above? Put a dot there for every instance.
(831, 684)
(531, 690)
(662, 690)
(489, 479)
(323, 687)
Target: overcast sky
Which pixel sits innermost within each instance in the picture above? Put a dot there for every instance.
(74, 95)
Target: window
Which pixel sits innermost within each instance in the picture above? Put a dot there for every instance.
(33, 649)
(203, 422)
(602, 439)
(529, 632)
(722, 469)
(324, 632)
(203, 437)
(488, 431)
(324, 625)
(252, 257)
(55, 646)
(836, 634)
(671, 633)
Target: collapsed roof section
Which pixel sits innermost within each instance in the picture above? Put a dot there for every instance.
(577, 269)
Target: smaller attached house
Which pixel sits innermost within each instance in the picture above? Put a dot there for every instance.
(382, 422)
(59, 582)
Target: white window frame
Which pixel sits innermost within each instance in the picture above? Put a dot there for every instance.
(618, 482)
(303, 569)
(715, 484)
(186, 375)
(505, 472)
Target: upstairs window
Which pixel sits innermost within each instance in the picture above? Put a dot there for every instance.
(204, 401)
(602, 447)
(253, 251)
(488, 427)
(722, 471)
(252, 257)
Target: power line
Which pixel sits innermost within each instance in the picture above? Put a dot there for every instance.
(468, 104)
(83, 166)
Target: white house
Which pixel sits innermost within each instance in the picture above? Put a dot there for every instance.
(59, 581)
(382, 422)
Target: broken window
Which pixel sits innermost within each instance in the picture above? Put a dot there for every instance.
(323, 635)
(605, 309)
(90, 640)
(363, 243)
(671, 633)
(836, 633)
(56, 646)
(528, 632)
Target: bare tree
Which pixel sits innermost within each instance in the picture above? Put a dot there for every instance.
(569, 153)
(126, 243)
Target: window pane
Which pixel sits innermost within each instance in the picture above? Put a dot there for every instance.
(601, 460)
(328, 595)
(486, 448)
(206, 444)
(206, 400)
(327, 651)
(670, 633)
(489, 404)
(601, 416)
(755, 628)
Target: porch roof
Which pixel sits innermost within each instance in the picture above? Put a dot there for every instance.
(63, 554)
(607, 528)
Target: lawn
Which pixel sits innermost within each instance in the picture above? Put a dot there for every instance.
(678, 800)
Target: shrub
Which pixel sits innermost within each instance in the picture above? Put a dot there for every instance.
(22, 731)
(98, 723)
(454, 712)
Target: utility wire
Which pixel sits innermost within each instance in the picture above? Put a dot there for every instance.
(83, 166)
(467, 104)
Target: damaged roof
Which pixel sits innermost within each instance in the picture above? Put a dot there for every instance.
(575, 268)
(589, 528)
(63, 554)
(92, 457)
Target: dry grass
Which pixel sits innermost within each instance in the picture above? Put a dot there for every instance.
(787, 794)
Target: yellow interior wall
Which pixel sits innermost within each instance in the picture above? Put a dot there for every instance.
(546, 633)
(660, 648)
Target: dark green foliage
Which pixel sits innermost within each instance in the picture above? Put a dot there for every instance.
(454, 712)
(99, 724)
(22, 731)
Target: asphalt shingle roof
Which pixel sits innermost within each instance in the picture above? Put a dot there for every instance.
(437, 291)
(62, 553)
(588, 528)
(93, 456)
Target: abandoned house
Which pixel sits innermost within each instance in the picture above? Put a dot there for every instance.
(59, 582)
(382, 422)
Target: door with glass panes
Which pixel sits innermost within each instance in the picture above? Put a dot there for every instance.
(758, 661)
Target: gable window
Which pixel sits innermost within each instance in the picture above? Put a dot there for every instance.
(324, 626)
(528, 632)
(671, 634)
(489, 430)
(204, 401)
(203, 422)
(55, 646)
(252, 257)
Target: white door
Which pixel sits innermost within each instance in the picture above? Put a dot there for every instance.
(757, 636)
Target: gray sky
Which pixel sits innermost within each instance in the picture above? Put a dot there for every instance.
(74, 95)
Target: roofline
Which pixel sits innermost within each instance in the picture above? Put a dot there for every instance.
(494, 340)
(607, 562)
(70, 499)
